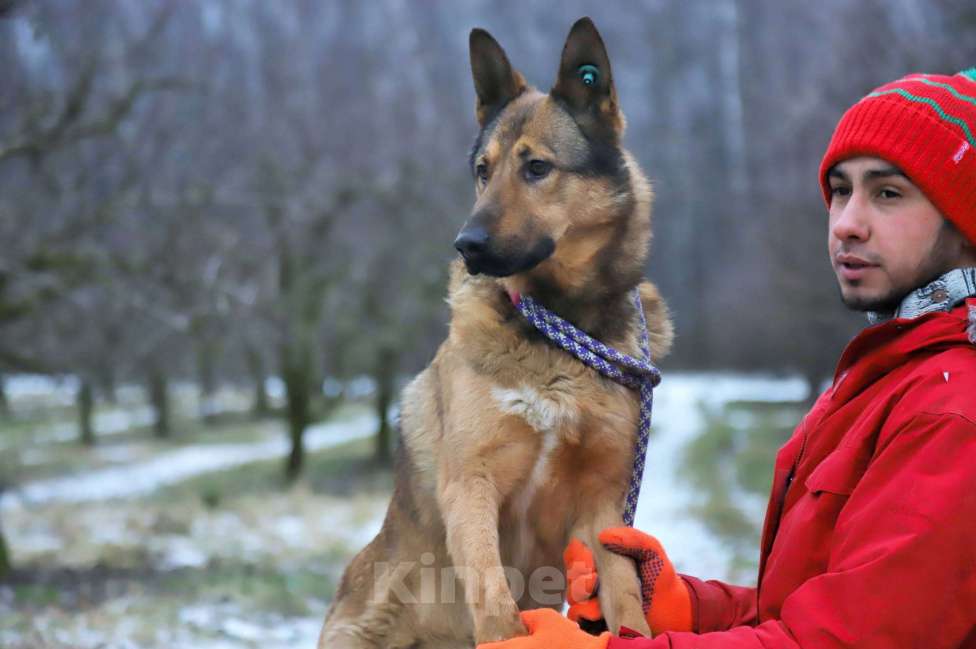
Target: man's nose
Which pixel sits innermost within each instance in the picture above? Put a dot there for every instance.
(850, 220)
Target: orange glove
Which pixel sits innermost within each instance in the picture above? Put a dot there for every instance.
(667, 602)
(581, 583)
(550, 630)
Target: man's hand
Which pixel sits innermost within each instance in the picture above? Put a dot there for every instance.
(550, 630)
(667, 602)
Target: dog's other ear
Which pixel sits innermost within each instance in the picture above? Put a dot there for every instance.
(495, 81)
(585, 83)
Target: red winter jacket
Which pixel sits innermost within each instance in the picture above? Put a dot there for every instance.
(870, 532)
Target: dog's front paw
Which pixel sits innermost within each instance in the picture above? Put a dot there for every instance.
(495, 628)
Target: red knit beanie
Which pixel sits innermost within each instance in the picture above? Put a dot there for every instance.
(925, 124)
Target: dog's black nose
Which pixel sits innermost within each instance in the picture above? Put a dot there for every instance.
(472, 242)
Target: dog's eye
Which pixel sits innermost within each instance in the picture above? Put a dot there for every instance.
(482, 172)
(537, 169)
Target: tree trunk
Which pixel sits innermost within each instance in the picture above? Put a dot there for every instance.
(106, 384)
(296, 374)
(255, 364)
(303, 305)
(385, 376)
(5, 565)
(4, 401)
(159, 398)
(207, 373)
(86, 406)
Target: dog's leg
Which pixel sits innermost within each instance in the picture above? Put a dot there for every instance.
(470, 506)
(371, 607)
(620, 595)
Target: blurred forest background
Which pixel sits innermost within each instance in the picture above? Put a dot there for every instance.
(261, 196)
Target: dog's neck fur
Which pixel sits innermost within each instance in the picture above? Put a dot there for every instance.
(484, 317)
(607, 316)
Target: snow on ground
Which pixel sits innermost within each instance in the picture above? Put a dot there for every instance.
(141, 478)
(281, 528)
(29, 388)
(73, 520)
(106, 422)
(665, 505)
(30, 392)
(276, 632)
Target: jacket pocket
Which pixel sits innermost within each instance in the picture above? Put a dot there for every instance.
(839, 472)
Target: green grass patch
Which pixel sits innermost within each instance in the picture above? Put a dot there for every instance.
(730, 462)
(763, 407)
(22, 429)
(33, 596)
(257, 587)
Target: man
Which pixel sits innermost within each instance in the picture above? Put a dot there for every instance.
(870, 532)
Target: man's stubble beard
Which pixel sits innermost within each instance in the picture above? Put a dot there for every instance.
(937, 264)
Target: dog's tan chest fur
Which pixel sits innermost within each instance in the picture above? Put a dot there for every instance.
(547, 412)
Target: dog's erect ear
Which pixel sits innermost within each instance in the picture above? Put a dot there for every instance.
(585, 83)
(496, 82)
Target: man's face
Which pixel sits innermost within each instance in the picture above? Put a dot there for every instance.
(885, 238)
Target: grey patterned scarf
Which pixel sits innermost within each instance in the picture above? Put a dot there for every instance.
(940, 295)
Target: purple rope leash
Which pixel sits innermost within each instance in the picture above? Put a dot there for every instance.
(635, 373)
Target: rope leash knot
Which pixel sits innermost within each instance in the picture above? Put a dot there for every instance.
(635, 373)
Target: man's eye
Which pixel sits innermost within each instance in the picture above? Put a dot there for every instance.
(482, 171)
(840, 190)
(537, 169)
(889, 194)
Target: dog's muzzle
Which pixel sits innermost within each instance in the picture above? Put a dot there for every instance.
(483, 255)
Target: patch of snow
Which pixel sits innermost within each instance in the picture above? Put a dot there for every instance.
(44, 391)
(111, 528)
(78, 637)
(275, 387)
(360, 387)
(58, 390)
(39, 540)
(291, 530)
(106, 422)
(242, 629)
(118, 453)
(740, 419)
(228, 534)
(117, 421)
(232, 630)
(666, 503)
(141, 478)
(331, 387)
(181, 552)
(34, 456)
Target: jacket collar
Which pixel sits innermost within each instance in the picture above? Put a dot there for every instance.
(884, 347)
(939, 295)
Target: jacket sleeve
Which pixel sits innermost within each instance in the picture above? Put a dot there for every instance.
(717, 606)
(902, 565)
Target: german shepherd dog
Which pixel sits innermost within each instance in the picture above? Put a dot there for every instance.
(509, 445)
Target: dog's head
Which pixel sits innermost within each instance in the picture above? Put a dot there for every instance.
(554, 187)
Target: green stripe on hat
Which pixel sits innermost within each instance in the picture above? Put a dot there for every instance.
(969, 74)
(955, 93)
(928, 101)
